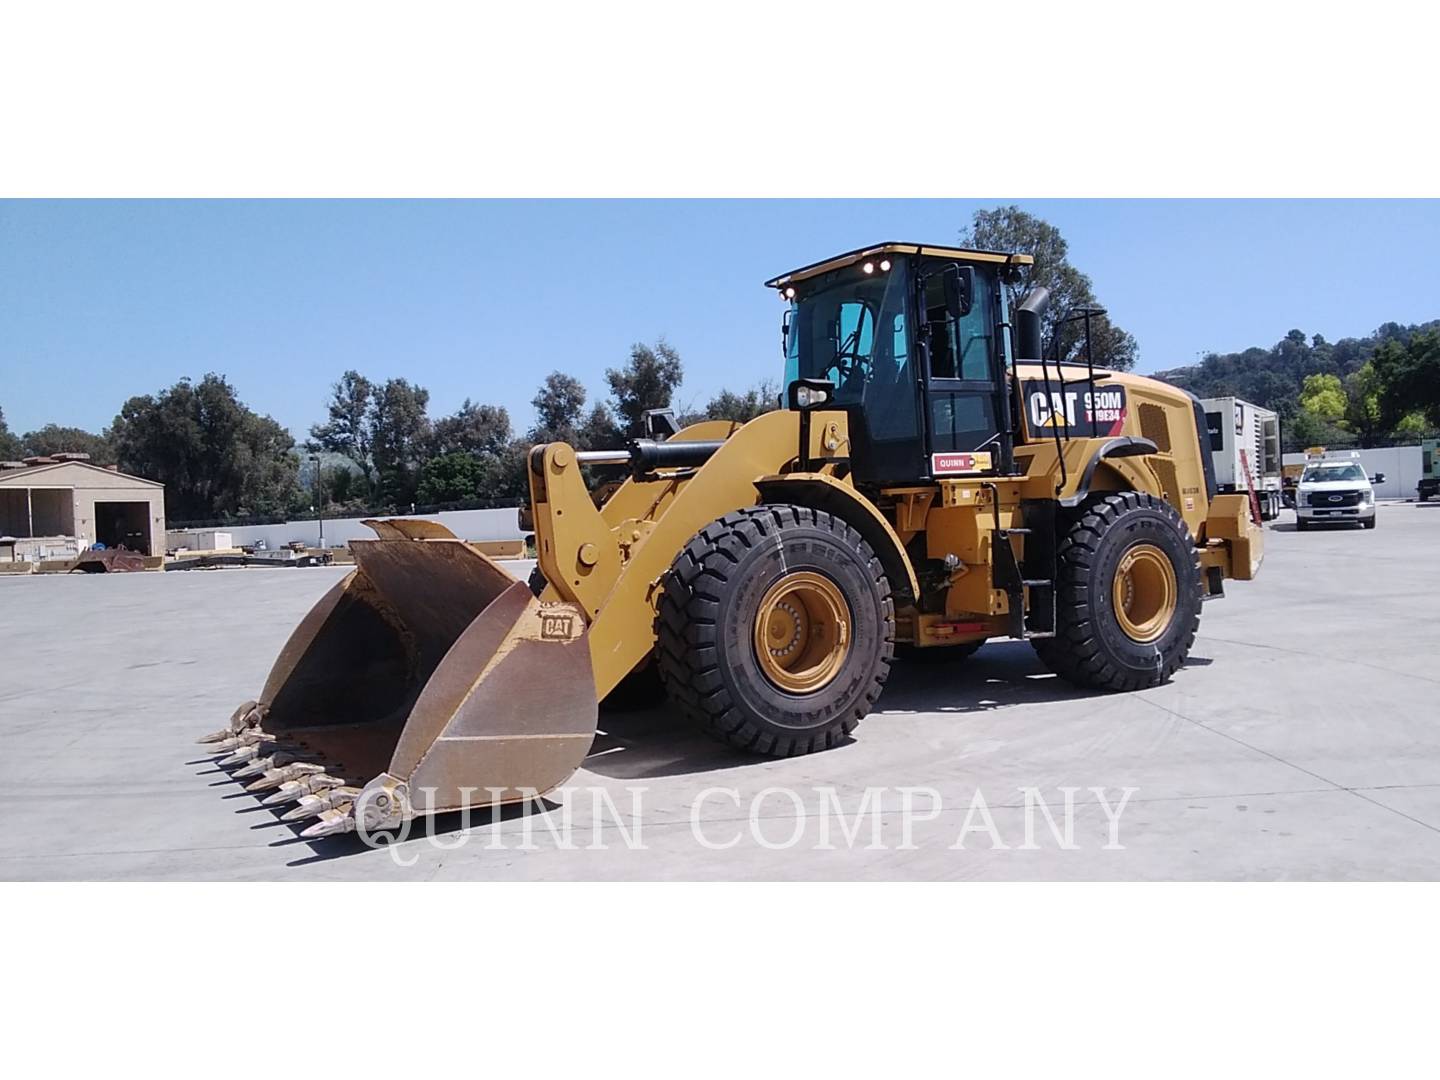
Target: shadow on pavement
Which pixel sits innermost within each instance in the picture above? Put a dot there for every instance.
(329, 848)
(659, 742)
(656, 742)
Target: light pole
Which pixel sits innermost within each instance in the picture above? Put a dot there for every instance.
(319, 497)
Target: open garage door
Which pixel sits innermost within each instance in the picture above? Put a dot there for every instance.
(123, 524)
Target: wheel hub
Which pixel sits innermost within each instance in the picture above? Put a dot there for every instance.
(802, 632)
(1145, 593)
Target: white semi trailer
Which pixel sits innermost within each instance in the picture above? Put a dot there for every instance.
(1245, 443)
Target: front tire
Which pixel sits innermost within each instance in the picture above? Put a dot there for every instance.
(1129, 594)
(776, 630)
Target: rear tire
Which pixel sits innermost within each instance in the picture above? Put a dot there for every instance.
(716, 606)
(1092, 646)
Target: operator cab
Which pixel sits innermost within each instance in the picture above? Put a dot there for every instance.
(914, 340)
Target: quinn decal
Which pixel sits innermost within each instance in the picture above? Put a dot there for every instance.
(952, 464)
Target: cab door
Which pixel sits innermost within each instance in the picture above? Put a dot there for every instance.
(964, 375)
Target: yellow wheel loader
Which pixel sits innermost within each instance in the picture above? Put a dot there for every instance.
(936, 477)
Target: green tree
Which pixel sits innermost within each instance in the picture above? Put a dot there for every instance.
(348, 430)
(1414, 426)
(54, 439)
(559, 404)
(1408, 373)
(399, 433)
(1012, 230)
(1362, 404)
(214, 455)
(740, 408)
(506, 477)
(9, 444)
(599, 430)
(1323, 396)
(341, 486)
(647, 381)
(474, 429)
(1312, 429)
(452, 477)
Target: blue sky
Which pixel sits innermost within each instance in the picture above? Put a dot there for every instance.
(100, 300)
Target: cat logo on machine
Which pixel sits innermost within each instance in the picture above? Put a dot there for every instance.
(1077, 409)
(557, 625)
(953, 464)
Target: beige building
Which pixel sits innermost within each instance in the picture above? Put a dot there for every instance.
(63, 507)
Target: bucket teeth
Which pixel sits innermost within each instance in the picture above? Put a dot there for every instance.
(253, 737)
(260, 765)
(273, 778)
(242, 755)
(292, 790)
(339, 819)
(315, 805)
(246, 717)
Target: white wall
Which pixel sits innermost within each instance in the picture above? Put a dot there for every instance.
(466, 524)
(1400, 464)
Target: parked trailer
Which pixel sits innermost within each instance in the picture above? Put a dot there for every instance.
(1429, 470)
(1245, 443)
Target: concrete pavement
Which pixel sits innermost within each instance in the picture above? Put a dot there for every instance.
(1300, 742)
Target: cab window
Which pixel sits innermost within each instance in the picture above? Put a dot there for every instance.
(959, 348)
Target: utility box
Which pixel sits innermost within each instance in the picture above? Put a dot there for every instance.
(1245, 445)
(198, 540)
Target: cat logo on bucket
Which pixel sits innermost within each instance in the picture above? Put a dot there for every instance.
(557, 625)
(953, 464)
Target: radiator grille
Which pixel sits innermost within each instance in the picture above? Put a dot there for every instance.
(1164, 470)
(1325, 499)
(1155, 427)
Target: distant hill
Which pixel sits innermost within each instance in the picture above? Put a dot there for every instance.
(1272, 377)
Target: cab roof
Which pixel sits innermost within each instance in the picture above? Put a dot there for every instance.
(895, 247)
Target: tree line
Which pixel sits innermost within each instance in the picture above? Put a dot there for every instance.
(1376, 390)
(378, 450)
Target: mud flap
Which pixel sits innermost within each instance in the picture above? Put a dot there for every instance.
(427, 680)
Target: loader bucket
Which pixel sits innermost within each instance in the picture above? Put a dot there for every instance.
(427, 680)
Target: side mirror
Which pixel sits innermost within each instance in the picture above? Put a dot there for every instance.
(1378, 478)
(959, 283)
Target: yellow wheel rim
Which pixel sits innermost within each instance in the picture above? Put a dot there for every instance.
(802, 632)
(1145, 593)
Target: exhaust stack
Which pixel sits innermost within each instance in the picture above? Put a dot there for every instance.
(1028, 318)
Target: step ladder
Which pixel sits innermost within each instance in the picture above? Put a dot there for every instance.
(1011, 576)
(1250, 487)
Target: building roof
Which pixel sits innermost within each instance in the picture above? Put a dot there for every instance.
(24, 477)
(894, 247)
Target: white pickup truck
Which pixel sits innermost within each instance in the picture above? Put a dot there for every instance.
(1333, 490)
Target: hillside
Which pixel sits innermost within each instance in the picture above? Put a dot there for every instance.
(1272, 377)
